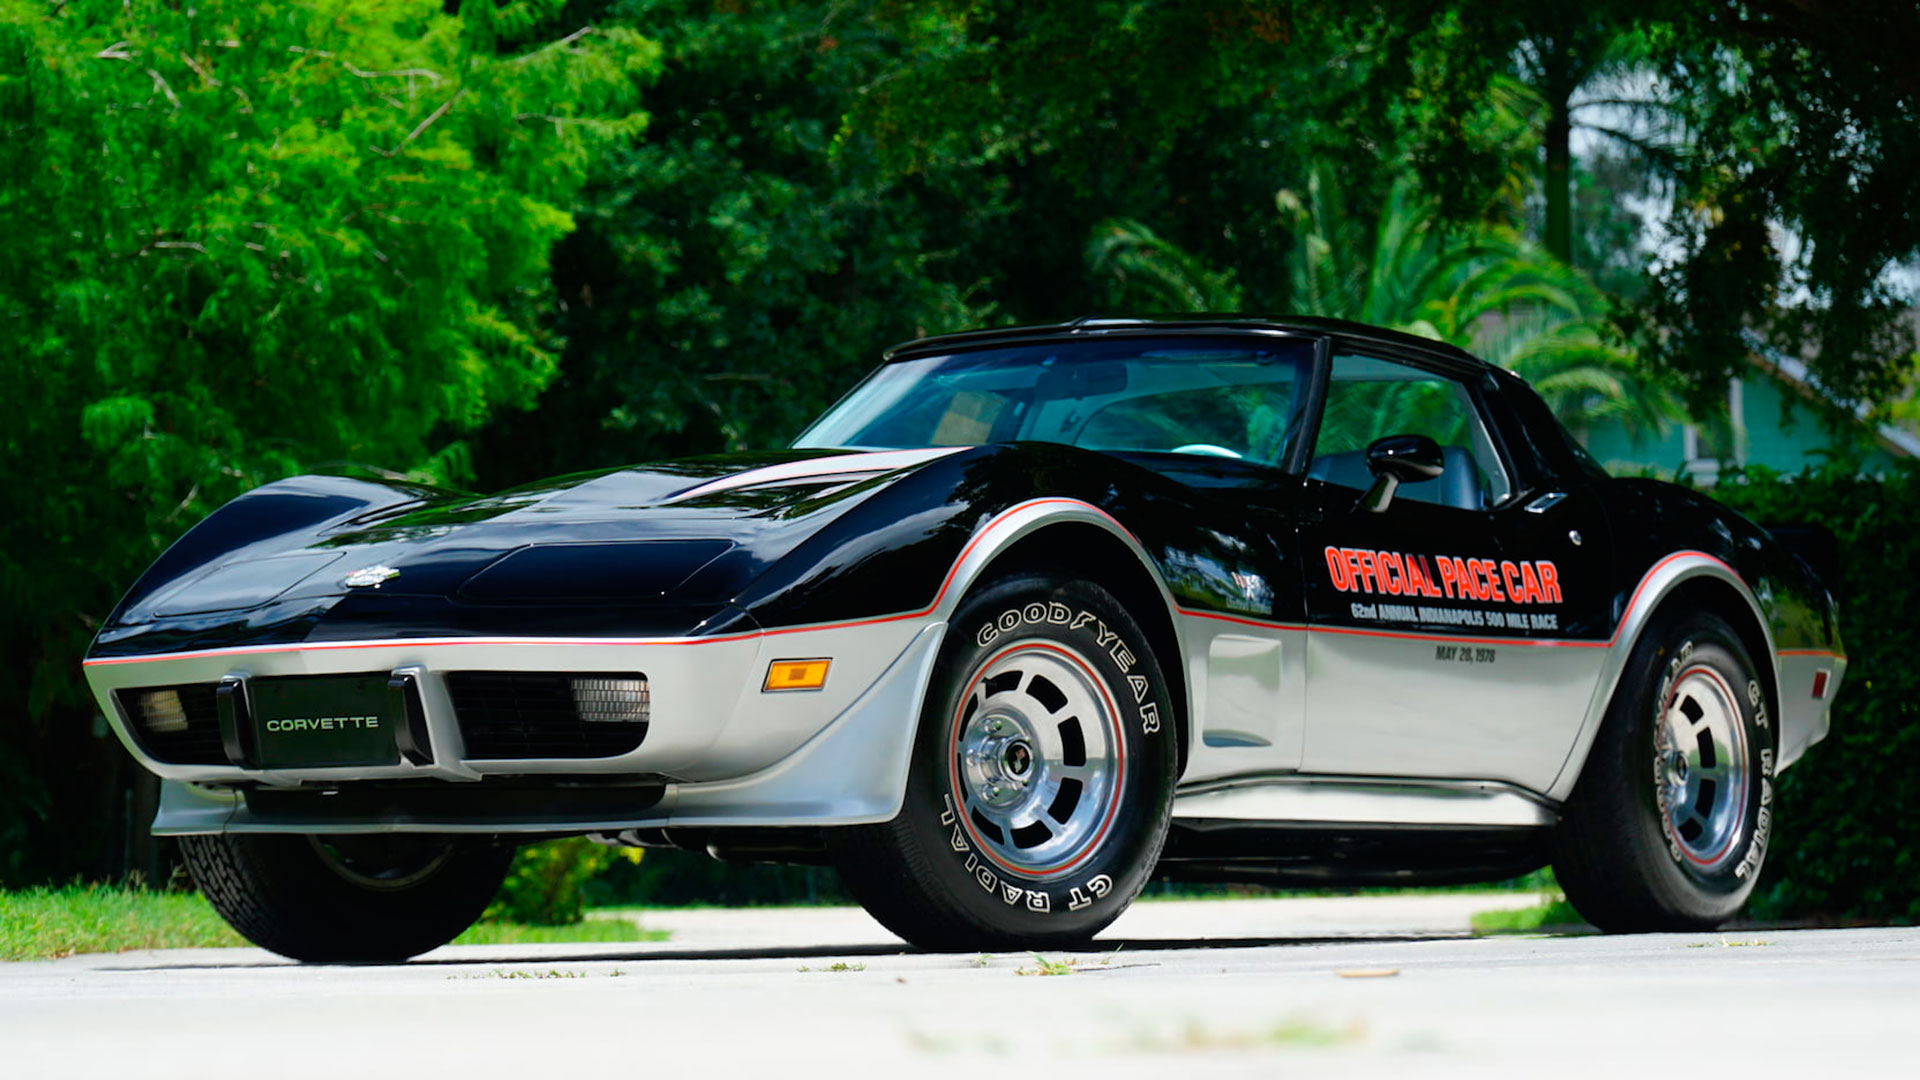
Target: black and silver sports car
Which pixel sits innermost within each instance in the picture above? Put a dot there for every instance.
(1029, 617)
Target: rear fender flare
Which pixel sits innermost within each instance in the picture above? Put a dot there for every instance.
(1646, 603)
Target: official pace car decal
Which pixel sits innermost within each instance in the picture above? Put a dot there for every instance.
(1446, 577)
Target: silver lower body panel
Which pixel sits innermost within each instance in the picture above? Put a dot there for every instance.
(718, 752)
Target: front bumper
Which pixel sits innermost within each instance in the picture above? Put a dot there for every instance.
(719, 750)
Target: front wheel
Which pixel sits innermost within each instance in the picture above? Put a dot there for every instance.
(347, 898)
(1038, 797)
(1669, 823)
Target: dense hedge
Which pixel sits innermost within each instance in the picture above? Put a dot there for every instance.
(546, 884)
(1848, 830)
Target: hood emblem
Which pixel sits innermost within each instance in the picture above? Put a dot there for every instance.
(369, 575)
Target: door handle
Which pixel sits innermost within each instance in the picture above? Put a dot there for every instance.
(1545, 502)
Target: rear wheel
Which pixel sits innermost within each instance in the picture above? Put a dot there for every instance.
(347, 898)
(1038, 797)
(1669, 823)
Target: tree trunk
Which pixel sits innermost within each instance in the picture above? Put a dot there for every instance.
(1558, 83)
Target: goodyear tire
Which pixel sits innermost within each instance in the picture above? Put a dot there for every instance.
(1669, 823)
(346, 898)
(1038, 797)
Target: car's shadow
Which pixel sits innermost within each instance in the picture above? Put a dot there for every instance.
(562, 954)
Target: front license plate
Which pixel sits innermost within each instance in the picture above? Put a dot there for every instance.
(304, 721)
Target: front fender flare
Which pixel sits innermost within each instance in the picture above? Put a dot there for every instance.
(1025, 519)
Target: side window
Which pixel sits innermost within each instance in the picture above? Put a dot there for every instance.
(1369, 398)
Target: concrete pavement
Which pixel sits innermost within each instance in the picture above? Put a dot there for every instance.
(1229, 988)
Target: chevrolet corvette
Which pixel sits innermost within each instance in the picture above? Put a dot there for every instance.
(1027, 619)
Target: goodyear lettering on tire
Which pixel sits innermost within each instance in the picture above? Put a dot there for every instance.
(1056, 613)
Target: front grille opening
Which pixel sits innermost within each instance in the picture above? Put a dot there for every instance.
(178, 725)
(550, 714)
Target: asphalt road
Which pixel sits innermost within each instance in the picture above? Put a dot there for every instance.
(1230, 988)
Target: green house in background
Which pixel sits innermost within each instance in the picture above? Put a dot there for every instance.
(1773, 418)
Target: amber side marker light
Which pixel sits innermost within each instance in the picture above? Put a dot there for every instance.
(796, 675)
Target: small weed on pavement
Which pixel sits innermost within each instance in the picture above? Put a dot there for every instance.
(1044, 966)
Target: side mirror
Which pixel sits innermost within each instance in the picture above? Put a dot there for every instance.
(1396, 460)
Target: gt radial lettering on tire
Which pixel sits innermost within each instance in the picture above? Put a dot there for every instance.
(1037, 759)
(1038, 797)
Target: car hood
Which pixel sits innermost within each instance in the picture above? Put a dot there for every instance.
(689, 532)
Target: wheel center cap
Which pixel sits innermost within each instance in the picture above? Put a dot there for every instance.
(1018, 759)
(1676, 767)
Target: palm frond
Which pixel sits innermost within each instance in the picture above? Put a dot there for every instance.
(1140, 271)
(1483, 287)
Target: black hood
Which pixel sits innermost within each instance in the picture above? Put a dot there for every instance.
(315, 555)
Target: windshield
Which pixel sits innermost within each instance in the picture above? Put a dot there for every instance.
(1223, 397)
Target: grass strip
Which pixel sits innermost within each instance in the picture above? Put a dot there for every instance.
(42, 924)
(46, 924)
(1555, 914)
(499, 933)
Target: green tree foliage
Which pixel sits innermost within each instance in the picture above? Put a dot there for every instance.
(244, 239)
(1783, 133)
(733, 272)
(819, 182)
(1479, 285)
(1610, 242)
(797, 206)
(546, 885)
(1185, 116)
(1799, 113)
(824, 178)
(1142, 273)
(1789, 159)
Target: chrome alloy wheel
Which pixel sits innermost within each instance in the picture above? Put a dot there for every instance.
(1037, 762)
(1700, 767)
